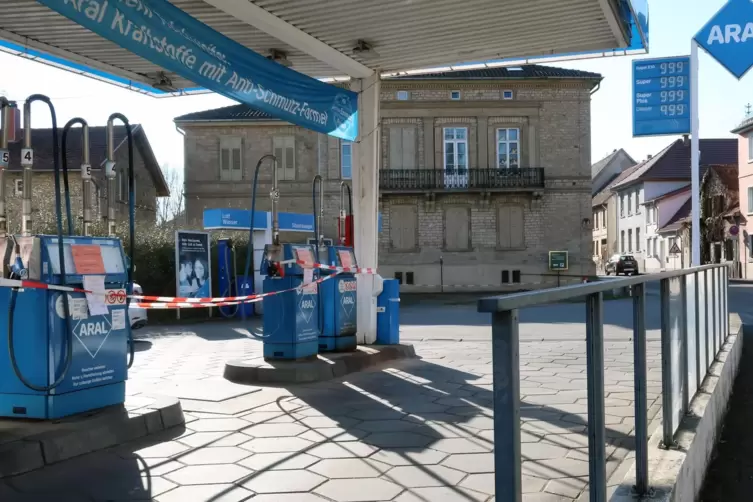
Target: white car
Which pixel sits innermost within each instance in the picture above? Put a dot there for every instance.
(137, 315)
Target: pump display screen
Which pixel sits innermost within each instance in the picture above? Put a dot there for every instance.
(108, 251)
(347, 260)
(304, 255)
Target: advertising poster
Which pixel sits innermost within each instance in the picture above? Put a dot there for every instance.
(192, 262)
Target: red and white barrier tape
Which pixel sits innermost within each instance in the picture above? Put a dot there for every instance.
(13, 283)
(347, 270)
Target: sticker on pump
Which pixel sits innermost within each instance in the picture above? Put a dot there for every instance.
(4, 158)
(346, 258)
(305, 255)
(27, 157)
(347, 286)
(115, 296)
(87, 258)
(86, 172)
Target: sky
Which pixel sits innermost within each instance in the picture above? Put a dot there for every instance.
(672, 25)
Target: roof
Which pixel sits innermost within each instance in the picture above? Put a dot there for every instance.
(246, 113)
(680, 217)
(41, 140)
(667, 195)
(673, 163)
(600, 165)
(745, 127)
(601, 198)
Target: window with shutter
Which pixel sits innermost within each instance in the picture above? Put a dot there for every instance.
(457, 229)
(346, 160)
(403, 223)
(231, 159)
(284, 148)
(402, 147)
(510, 227)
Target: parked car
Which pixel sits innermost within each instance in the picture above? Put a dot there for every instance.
(621, 264)
(136, 315)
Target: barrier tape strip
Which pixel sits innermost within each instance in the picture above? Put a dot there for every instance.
(349, 270)
(13, 283)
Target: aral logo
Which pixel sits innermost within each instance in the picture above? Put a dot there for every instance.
(725, 37)
(730, 33)
(307, 304)
(349, 300)
(93, 328)
(92, 333)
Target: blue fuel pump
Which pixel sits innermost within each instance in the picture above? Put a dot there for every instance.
(337, 296)
(232, 284)
(65, 355)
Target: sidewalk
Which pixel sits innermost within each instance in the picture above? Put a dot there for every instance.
(420, 430)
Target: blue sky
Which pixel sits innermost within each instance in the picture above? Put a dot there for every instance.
(673, 23)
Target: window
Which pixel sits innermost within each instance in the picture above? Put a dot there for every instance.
(403, 223)
(510, 227)
(403, 95)
(630, 240)
(622, 241)
(284, 147)
(346, 160)
(630, 204)
(750, 247)
(455, 95)
(457, 231)
(637, 203)
(505, 276)
(403, 148)
(596, 248)
(750, 147)
(456, 150)
(506, 94)
(18, 187)
(637, 240)
(231, 159)
(508, 152)
(750, 199)
(622, 206)
(516, 276)
(596, 219)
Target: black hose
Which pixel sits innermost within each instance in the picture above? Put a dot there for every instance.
(229, 290)
(61, 258)
(316, 227)
(131, 226)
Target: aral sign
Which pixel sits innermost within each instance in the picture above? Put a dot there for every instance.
(728, 37)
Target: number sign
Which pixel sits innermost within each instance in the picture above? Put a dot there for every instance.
(661, 96)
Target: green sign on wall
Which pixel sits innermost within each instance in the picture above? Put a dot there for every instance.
(558, 260)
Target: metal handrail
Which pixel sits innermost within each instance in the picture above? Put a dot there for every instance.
(705, 334)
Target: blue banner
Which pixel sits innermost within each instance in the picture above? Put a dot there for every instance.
(165, 35)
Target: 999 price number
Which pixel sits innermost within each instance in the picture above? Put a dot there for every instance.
(673, 82)
(673, 110)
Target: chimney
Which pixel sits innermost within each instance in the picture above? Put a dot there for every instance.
(649, 157)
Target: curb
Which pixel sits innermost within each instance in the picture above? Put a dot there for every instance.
(324, 367)
(84, 434)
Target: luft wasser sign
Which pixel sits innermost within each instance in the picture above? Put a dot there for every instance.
(165, 35)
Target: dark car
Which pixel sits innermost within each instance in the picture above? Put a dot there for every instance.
(621, 264)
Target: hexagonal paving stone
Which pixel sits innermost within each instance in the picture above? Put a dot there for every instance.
(359, 490)
(342, 450)
(443, 494)
(213, 439)
(278, 461)
(388, 425)
(484, 483)
(542, 451)
(336, 434)
(218, 455)
(423, 476)
(160, 450)
(398, 440)
(324, 422)
(276, 445)
(461, 445)
(404, 456)
(275, 430)
(472, 463)
(570, 488)
(556, 468)
(208, 474)
(347, 468)
(289, 497)
(202, 493)
(377, 414)
(218, 425)
(284, 481)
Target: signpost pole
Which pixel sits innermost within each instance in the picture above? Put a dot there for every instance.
(695, 154)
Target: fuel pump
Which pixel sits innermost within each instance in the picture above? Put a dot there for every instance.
(291, 319)
(229, 280)
(345, 222)
(72, 356)
(337, 296)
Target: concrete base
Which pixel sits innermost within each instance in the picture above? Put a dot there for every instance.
(324, 367)
(26, 445)
(676, 475)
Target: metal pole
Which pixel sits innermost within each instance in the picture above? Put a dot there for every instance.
(726, 306)
(684, 337)
(275, 195)
(86, 176)
(595, 379)
(695, 155)
(27, 173)
(5, 118)
(666, 367)
(641, 397)
(506, 384)
(714, 305)
(697, 309)
(110, 176)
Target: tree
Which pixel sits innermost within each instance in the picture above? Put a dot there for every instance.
(171, 209)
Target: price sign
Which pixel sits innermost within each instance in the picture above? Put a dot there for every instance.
(4, 158)
(661, 96)
(27, 157)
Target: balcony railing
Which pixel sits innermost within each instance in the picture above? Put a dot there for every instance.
(406, 180)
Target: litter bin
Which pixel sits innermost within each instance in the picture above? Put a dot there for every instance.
(388, 313)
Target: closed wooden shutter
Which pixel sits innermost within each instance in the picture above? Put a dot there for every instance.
(457, 228)
(403, 222)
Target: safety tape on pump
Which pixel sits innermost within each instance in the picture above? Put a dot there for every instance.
(166, 302)
(14, 283)
(347, 270)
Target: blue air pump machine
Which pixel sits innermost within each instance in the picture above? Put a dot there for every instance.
(291, 319)
(337, 296)
(66, 354)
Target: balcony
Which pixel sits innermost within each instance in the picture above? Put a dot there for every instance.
(473, 179)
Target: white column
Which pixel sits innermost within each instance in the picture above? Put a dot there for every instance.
(366, 152)
(695, 157)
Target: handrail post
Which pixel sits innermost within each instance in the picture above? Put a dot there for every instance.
(714, 296)
(685, 337)
(696, 303)
(726, 304)
(595, 380)
(506, 384)
(666, 366)
(641, 390)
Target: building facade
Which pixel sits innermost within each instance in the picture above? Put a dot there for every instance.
(150, 183)
(605, 212)
(607, 169)
(745, 179)
(482, 173)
